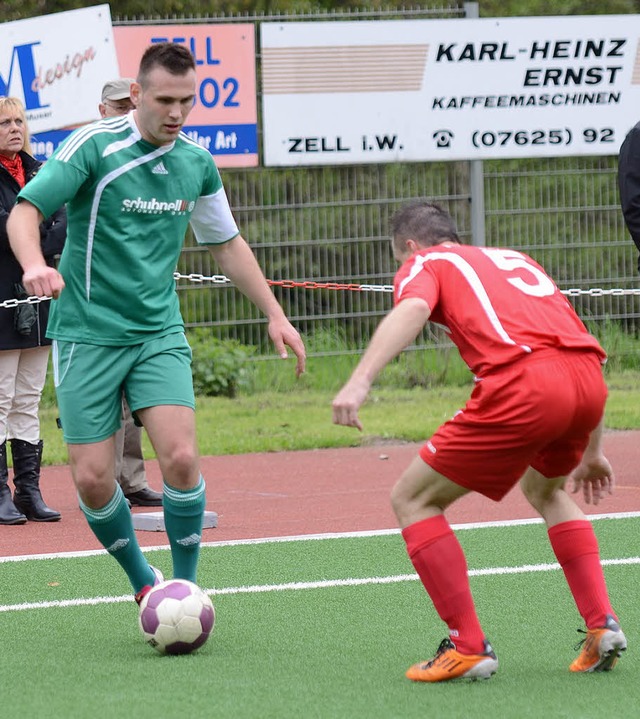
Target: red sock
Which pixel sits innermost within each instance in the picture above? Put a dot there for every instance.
(440, 563)
(576, 548)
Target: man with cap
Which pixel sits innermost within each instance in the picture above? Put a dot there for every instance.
(115, 97)
(130, 471)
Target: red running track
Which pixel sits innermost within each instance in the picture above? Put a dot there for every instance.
(306, 492)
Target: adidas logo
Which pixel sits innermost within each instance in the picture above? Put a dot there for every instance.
(159, 169)
(189, 541)
(117, 545)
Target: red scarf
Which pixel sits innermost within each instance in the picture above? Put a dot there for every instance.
(14, 167)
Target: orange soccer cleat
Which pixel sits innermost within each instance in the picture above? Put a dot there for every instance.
(449, 663)
(600, 648)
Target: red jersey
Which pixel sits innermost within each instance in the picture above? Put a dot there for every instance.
(497, 305)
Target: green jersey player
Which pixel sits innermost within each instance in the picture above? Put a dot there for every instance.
(132, 184)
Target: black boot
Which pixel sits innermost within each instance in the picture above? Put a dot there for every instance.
(26, 480)
(8, 512)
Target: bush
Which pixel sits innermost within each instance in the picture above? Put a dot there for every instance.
(220, 367)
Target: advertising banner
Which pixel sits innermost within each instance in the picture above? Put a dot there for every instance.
(225, 115)
(56, 64)
(427, 90)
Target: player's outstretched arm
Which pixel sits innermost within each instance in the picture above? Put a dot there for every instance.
(397, 330)
(594, 474)
(237, 261)
(23, 230)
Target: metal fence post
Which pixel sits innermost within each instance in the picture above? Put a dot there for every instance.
(476, 173)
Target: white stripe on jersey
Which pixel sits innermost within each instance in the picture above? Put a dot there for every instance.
(116, 124)
(471, 276)
(122, 144)
(163, 149)
(59, 375)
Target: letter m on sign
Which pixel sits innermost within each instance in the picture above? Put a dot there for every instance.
(22, 58)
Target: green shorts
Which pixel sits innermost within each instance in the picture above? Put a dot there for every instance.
(89, 381)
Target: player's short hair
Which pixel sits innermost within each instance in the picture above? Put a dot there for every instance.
(424, 222)
(173, 57)
(14, 106)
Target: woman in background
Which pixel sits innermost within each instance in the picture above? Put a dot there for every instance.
(24, 348)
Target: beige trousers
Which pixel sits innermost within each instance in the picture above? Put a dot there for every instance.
(130, 471)
(22, 377)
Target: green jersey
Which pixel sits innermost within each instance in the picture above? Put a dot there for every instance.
(128, 205)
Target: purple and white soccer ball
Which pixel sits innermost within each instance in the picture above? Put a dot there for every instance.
(176, 617)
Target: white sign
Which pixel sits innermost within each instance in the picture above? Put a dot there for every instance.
(428, 90)
(57, 64)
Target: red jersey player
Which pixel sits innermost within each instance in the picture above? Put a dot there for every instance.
(535, 416)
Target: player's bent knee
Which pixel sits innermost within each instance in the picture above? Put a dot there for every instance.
(421, 489)
(95, 492)
(181, 467)
(540, 490)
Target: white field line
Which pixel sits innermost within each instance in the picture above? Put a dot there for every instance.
(297, 586)
(256, 589)
(310, 537)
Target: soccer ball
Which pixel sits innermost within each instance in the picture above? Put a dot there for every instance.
(176, 617)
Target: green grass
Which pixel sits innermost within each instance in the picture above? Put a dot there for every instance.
(326, 652)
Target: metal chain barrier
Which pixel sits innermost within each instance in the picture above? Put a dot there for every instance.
(311, 285)
(28, 301)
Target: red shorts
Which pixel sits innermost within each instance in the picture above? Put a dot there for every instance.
(538, 412)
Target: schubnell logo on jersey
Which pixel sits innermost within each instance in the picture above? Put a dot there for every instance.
(154, 206)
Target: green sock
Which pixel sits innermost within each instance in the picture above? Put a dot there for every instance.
(183, 516)
(113, 527)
